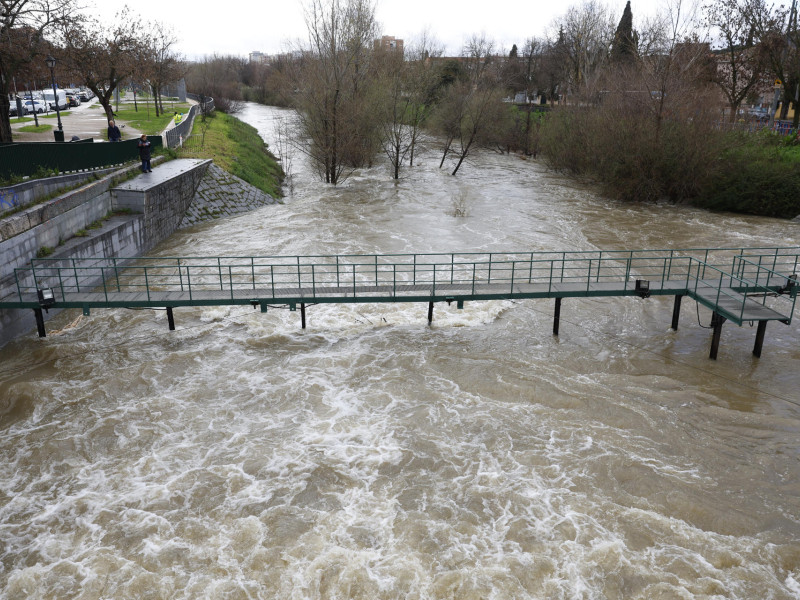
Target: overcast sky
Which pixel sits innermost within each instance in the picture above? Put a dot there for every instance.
(242, 26)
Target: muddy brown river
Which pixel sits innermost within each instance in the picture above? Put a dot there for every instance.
(372, 456)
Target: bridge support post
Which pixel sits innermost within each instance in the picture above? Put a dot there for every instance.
(557, 317)
(762, 327)
(303, 314)
(40, 322)
(716, 322)
(676, 312)
(430, 313)
(170, 319)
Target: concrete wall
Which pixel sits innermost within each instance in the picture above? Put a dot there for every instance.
(121, 236)
(162, 205)
(29, 192)
(158, 207)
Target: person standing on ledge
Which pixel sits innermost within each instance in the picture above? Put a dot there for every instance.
(114, 134)
(144, 153)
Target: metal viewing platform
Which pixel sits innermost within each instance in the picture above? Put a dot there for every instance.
(755, 285)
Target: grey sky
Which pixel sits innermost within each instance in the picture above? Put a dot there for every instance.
(245, 25)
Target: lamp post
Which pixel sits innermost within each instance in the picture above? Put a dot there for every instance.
(51, 63)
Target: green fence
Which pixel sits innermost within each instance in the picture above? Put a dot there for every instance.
(23, 159)
(730, 283)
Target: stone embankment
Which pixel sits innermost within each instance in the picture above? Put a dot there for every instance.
(221, 194)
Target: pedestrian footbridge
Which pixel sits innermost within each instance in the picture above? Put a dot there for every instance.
(755, 285)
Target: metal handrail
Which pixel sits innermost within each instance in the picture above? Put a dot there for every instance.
(734, 270)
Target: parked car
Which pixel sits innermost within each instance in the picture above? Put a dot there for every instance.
(12, 109)
(32, 106)
(73, 100)
(758, 112)
(85, 95)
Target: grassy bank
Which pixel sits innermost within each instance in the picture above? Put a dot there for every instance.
(236, 147)
(144, 119)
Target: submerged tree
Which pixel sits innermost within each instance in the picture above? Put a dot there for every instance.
(332, 84)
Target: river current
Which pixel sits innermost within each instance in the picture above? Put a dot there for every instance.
(373, 456)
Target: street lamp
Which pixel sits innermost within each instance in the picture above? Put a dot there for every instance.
(51, 64)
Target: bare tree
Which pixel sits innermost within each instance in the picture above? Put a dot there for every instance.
(675, 75)
(166, 64)
(420, 81)
(470, 108)
(103, 55)
(332, 83)
(218, 77)
(394, 105)
(740, 66)
(585, 36)
(779, 47)
(24, 27)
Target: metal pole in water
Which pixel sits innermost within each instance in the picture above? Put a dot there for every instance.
(557, 317)
(716, 321)
(676, 312)
(303, 314)
(430, 312)
(170, 319)
(762, 327)
(40, 322)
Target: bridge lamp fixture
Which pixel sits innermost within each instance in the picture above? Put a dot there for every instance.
(643, 288)
(46, 298)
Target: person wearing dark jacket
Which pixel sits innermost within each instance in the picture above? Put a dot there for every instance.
(144, 153)
(114, 134)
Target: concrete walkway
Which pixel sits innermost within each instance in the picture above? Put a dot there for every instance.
(161, 173)
(86, 121)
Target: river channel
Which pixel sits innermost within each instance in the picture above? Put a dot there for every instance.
(373, 456)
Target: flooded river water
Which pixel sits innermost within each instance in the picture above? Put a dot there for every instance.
(372, 456)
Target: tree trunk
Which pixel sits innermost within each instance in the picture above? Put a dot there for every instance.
(396, 160)
(5, 123)
(528, 129)
(334, 146)
(446, 150)
(461, 157)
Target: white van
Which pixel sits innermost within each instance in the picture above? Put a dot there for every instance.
(61, 97)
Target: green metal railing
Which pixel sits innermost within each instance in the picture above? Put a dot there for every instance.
(715, 277)
(25, 158)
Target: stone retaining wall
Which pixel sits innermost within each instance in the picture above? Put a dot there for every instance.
(221, 194)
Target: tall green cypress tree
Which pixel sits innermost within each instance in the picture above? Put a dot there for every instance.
(624, 48)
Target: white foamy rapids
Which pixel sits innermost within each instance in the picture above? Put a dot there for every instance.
(375, 456)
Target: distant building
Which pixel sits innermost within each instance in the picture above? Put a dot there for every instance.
(258, 57)
(389, 42)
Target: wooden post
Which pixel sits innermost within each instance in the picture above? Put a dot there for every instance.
(716, 322)
(762, 327)
(303, 314)
(676, 312)
(40, 322)
(557, 317)
(430, 313)
(170, 319)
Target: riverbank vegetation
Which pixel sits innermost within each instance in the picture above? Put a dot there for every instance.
(649, 113)
(236, 147)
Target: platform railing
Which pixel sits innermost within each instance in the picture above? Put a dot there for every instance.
(716, 286)
(729, 273)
